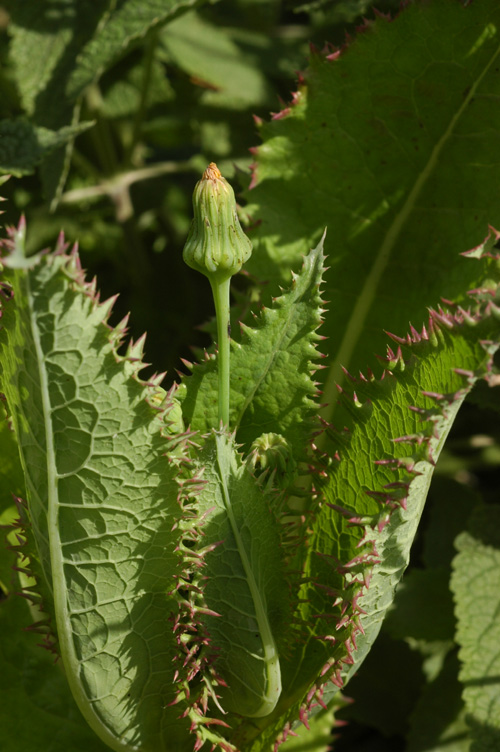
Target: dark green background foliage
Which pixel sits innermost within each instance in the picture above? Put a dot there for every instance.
(108, 114)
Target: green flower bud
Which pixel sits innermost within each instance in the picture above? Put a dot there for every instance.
(216, 245)
(271, 451)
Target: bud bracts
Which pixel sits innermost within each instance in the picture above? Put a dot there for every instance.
(216, 245)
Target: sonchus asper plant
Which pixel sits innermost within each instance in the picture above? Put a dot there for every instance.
(212, 563)
(209, 584)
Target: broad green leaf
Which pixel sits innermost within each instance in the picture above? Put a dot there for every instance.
(438, 723)
(476, 587)
(122, 25)
(271, 367)
(208, 54)
(37, 711)
(102, 497)
(23, 145)
(391, 431)
(394, 145)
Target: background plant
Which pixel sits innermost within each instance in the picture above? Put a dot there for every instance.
(409, 99)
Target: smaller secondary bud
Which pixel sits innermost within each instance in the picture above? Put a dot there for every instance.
(216, 245)
(271, 451)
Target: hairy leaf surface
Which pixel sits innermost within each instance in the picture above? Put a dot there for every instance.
(394, 144)
(476, 586)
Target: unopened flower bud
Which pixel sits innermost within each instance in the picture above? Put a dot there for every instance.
(271, 451)
(216, 245)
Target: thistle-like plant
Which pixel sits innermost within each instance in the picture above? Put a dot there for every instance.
(211, 563)
(191, 582)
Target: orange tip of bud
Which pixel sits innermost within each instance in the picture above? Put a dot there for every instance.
(212, 172)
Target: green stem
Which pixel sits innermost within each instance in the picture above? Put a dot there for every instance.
(220, 291)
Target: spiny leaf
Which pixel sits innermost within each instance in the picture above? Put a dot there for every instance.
(271, 368)
(102, 496)
(476, 586)
(23, 145)
(240, 592)
(375, 480)
(393, 143)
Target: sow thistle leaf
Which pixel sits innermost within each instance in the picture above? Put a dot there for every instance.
(159, 605)
(392, 143)
(390, 431)
(271, 368)
(23, 145)
(102, 497)
(476, 585)
(245, 591)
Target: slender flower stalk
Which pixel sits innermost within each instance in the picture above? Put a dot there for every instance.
(220, 291)
(217, 247)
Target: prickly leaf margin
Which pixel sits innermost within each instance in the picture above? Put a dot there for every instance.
(101, 492)
(370, 489)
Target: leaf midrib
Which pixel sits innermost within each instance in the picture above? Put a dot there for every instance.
(68, 652)
(366, 297)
